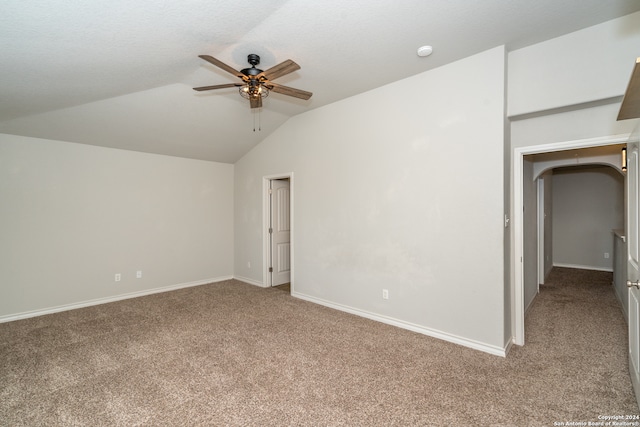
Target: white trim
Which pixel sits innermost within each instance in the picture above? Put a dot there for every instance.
(575, 144)
(105, 300)
(583, 267)
(266, 213)
(476, 345)
(251, 281)
(517, 310)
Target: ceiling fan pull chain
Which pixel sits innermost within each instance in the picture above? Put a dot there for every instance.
(258, 112)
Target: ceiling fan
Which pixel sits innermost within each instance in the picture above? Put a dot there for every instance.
(256, 84)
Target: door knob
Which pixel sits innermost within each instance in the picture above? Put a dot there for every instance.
(631, 284)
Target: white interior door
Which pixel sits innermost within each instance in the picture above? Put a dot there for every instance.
(633, 265)
(280, 231)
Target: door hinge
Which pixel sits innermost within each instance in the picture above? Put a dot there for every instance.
(270, 191)
(270, 269)
(270, 230)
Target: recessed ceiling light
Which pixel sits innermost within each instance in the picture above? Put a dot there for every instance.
(425, 51)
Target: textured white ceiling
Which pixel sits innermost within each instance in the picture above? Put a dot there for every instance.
(119, 73)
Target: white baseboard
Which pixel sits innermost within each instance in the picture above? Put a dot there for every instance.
(250, 281)
(583, 267)
(495, 350)
(105, 300)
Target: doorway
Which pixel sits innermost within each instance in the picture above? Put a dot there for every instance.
(519, 153)
(278, 226)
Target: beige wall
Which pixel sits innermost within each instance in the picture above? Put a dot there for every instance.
(73, 215)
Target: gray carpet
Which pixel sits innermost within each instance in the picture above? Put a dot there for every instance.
(237, 355)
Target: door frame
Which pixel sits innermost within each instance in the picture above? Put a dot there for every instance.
(266, 220)
(541, 228)
(517, 287)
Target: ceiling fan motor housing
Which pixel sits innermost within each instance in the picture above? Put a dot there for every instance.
(254, 60)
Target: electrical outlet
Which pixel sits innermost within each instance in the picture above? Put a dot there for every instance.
(606, 255)
(248, 264)
(118, 277)
(139, 274)
(385, 294)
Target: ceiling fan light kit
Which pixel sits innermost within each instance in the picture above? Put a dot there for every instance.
(249, 90)
(256, 83)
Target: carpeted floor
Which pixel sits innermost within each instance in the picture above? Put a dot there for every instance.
(232, 354)
(284, 287)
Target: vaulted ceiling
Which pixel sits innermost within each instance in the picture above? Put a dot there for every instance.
(119, 73)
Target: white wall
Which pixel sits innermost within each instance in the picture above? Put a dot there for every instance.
(548, 223)
(399, 188)
(570, 87)
(573, 125)
(530, 230)
(588, 204)
(73, 215)
(509, 295)
(590, 64)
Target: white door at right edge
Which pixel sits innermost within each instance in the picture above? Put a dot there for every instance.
(633, 264)
(280, 232)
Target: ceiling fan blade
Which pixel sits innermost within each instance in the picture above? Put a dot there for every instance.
(256, 101)
(286, 90)
(199, 89)
(280, 70)
(222, 65)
